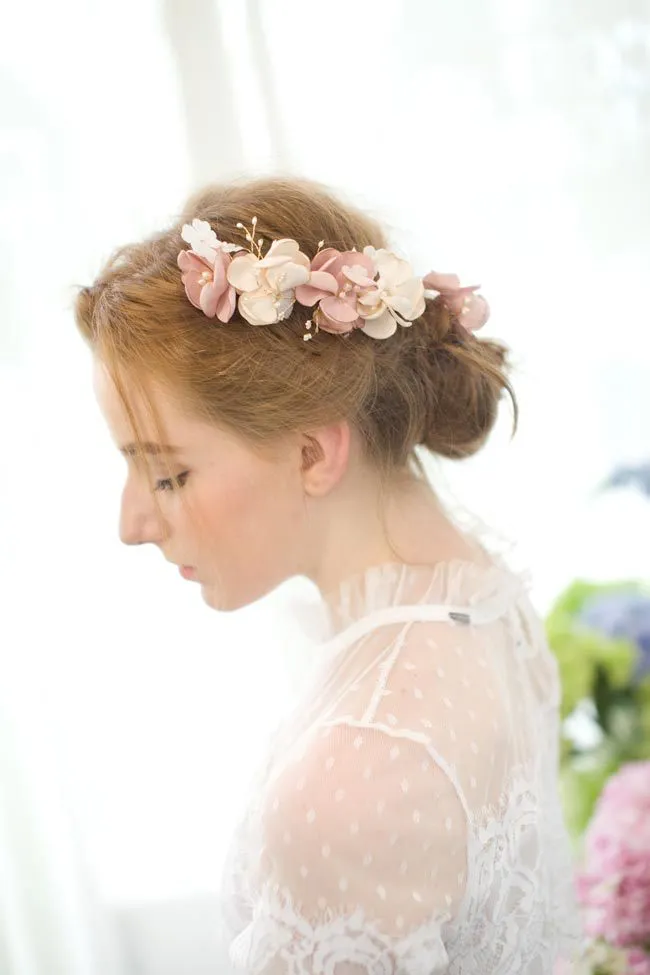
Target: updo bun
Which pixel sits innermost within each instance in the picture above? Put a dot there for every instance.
(445, 384)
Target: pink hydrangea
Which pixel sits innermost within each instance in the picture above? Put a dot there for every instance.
(614, 885)
(637, 962)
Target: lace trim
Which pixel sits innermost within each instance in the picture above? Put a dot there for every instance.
(457, 584)
(339, 944)
(514, 917)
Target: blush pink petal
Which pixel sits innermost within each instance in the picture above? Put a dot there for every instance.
(219, 271)
(324, 281)
(434, 281)
(355, 259)
(321, 284)
(324, 258)
(189, 261)
(339, 310)
(193, 267)
(227, 304)
(220, 285)
(209, 300)
(475, 313)
(193, 289)
(334, 328)
(205, 294)
(337, 261)
(472, 310)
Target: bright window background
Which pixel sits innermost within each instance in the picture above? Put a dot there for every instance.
(506, 141)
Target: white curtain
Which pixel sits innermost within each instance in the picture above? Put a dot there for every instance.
(509, 141)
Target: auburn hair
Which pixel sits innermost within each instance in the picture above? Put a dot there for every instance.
(432, 384)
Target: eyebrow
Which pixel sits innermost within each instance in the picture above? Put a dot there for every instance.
(155, 449)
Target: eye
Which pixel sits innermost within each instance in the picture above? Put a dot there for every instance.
(172, 483)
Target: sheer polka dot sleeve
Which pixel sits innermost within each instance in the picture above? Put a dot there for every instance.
(409, 822)
(365, 859)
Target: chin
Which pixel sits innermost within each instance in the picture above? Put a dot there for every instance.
(228, 600)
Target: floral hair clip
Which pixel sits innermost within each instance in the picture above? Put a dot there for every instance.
(374, 290)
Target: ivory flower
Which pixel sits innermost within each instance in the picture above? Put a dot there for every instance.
(267, 285)
(397, 298)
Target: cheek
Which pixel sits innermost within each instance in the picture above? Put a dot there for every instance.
(254, 507)
(252, 536)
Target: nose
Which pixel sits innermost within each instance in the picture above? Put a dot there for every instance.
(141, 521)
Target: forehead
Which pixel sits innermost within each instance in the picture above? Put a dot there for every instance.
(160, 421)
(144, 413)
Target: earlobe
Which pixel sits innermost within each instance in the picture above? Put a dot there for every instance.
(325, 454)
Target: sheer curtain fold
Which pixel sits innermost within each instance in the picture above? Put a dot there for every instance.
(51, 918)
(94, 148)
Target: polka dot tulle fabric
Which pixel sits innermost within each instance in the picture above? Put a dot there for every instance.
(407, 821)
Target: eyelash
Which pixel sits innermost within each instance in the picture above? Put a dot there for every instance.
(172, 483)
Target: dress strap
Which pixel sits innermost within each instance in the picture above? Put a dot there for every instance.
(486, 612)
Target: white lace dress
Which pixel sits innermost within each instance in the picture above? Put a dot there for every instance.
(407, 821)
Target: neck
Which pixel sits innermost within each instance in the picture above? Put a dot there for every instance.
(365, 523)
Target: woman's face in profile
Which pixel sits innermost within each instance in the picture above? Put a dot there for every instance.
(230, 517)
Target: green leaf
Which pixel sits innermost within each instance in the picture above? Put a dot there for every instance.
(601, 694)
(579, 650)
(572, 600)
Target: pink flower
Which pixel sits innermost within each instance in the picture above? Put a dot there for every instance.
(472, 310)
(336, 281)
(614, 886)
(205, 268)
(206, 284)
(637, 962)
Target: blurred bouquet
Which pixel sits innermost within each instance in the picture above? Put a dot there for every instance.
(600, 635)
(614, 881)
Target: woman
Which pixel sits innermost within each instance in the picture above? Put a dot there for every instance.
(268, 367)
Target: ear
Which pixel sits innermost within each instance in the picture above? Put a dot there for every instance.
(325, 453)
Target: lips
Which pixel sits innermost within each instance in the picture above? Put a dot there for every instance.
(187, 572)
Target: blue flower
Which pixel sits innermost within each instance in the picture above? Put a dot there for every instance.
(622, 614)
(638, 477)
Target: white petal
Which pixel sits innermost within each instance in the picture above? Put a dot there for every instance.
(370, 303)
(283, 305)
(204, 250)
(285, 276)
(279, 251)
(380, 328)
(393, 271)
(264, 308)
(197, 230)
(243, 273)
(258, 308)
(405, 322)
(408, 299)
(201, 238)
